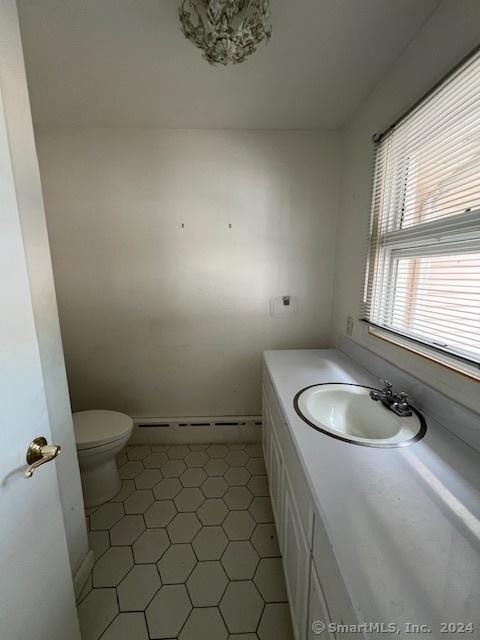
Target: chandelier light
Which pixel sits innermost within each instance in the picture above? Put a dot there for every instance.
(227, 30)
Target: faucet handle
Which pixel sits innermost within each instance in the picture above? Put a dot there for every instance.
(387, 386)
(403, 397)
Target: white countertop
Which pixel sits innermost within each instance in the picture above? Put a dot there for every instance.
(404, 523)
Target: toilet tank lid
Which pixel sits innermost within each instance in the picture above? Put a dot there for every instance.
(96, 427)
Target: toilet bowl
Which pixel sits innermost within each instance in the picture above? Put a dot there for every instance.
(100, 435)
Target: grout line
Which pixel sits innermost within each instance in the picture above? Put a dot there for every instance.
(219, 560)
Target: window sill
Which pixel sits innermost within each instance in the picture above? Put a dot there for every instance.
(464, 369)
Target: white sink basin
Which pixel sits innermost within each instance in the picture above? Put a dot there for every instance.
(347, 412)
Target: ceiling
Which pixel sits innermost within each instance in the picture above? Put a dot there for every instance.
(126, 63)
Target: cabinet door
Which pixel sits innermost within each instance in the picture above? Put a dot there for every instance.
(338, 601)
(296, 560)
(317, 610)
(277, 484)
(266, 430)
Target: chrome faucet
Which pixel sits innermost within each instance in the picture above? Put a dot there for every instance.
(396, 402)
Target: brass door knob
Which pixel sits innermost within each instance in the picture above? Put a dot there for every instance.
(38, 453)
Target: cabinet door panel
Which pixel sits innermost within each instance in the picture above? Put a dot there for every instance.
(317, 610)
(296, 555)
(339, 605)
(266, 430)
(277, 485)
(303, 499)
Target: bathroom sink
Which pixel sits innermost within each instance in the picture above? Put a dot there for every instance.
(347, 412)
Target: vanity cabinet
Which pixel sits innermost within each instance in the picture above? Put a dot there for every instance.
(314, 585)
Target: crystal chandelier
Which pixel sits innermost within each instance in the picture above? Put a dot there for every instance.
(227, 30)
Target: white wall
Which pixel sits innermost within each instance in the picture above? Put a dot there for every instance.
(163, 321)
(34, 230)
(452, 31)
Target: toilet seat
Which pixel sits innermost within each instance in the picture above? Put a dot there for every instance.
(97, 427)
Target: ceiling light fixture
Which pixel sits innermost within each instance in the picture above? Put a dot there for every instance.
(227, 30)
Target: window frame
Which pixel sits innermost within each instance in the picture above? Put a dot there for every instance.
(394, 234)
(451, 235)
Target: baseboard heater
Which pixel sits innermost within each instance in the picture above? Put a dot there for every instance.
(198, 429)
(237, 421)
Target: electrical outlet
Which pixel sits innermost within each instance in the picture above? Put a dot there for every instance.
(349, 326)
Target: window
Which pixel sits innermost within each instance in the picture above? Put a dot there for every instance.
(423, 268)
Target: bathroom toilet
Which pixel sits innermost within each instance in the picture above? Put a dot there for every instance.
(100, 435)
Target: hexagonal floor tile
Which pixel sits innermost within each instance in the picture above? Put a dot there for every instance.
(276, 623)
(106, 516)
(160, 513)
(256, 466)
(168, 611)
(99, 542)
(236, 446)
(204, 624)
(237, 476)
(238, 498)
(196, 459)
(198, 446)
(177, 564)
(254, 450)
(210, 543)
(183, 527)
(126, 530)
(212, 511)
(207, 583)
(241, 607)
(239, 525)
(214, 487)
(130, 470)
(96, 612)
(240, 560)
(139, 501)
(127, 626)
(178, 452)
(138, 587)
(217, 451)
(173, 468)
(167, 488)
(138, 452)
(193, 477)
(150, 546)
(155, 460)
(264, 539)
(258, 485)
(216, 467)
(189, 499)
(128, 487)
(148, 478)
(270, 580)
(237, 458)
(159, 447)
(112, 567)
(261, 509)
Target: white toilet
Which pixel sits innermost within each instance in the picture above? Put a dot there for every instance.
(100, 435)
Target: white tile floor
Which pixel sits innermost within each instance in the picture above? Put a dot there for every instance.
(186, 550)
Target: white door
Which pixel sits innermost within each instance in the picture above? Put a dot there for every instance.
(36, 590)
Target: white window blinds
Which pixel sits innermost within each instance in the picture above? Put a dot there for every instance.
(423, 266)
